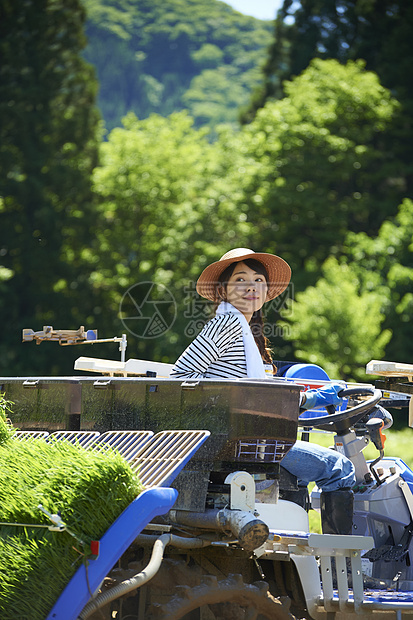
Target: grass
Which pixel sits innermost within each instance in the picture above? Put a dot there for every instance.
(398, 444)
(89, 489)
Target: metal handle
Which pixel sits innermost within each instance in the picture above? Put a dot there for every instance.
(31, 383)
(102, 384)
(189, 385)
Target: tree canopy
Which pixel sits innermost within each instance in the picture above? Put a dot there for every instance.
(321, 168)
(163, 56)
(336, 324)
(378, 32)
(168, 205)
(385, 263)
(48, 148)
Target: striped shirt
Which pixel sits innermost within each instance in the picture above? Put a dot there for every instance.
(216, 353)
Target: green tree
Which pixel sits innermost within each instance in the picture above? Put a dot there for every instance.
(385, 263)
(336, 324)
(168, 208)
(377, 31)
(48, 128)
(216, 95)
(320, 166)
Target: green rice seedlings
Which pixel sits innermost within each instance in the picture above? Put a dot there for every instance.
(89, 490)
(6, 429)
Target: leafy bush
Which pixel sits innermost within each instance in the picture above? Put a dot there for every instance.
(336, 325)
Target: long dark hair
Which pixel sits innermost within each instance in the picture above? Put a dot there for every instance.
(257, 319)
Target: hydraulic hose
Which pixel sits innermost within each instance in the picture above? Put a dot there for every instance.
(249, 531)
(175, 541)
(148, 573)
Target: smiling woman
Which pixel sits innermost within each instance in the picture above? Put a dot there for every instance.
(244, 285)
(233, 344)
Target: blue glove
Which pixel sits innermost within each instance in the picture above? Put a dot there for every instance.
(322, 397)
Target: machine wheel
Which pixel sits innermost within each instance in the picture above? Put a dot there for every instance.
(228, 599)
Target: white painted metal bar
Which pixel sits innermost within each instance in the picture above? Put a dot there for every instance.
(128, 443)
(30, 435)
(165, 453)
(80, 438)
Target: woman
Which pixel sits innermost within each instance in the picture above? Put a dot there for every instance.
(232, 345)
(226, 346)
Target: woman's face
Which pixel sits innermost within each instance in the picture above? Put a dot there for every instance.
(246, 290)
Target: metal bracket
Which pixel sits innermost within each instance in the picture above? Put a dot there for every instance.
(103, 384)
(408, 496)
(189, 385)
(242, 495)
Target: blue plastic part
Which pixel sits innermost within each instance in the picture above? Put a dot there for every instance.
(324, 396)
(91, 334)
(389, 600)
(113, 544)
(313, 373)
(307, 371)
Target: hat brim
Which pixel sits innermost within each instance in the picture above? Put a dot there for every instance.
(279, 274)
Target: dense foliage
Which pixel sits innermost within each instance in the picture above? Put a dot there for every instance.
(169, 199)
(377, 31)
(48, 149)
(160, 57)
(317, 176)
(6, 429)
(295, 181)
(338, 325)
(322, 168)
(385, 263)
(379, 34)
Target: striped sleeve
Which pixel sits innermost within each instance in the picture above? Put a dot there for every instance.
(208, 347)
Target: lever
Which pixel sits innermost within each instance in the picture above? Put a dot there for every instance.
(374, 427)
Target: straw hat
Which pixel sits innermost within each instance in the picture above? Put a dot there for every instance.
(279, 272)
